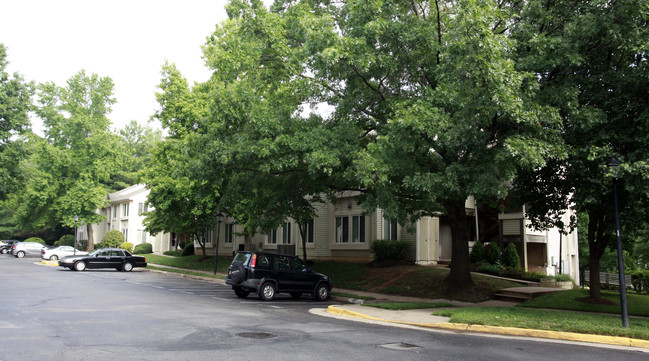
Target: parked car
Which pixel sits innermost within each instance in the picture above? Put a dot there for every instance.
(22, 249)
(116, 258)
(56, 253)
(267, 274)
(5, 245)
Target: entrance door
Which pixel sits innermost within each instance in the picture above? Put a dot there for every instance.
(445, 242)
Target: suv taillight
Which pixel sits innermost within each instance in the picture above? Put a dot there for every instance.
(253, 263)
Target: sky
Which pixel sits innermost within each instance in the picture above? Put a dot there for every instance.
(126, 40)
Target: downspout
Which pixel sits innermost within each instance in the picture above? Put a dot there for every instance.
(524, 240)
(477, 229)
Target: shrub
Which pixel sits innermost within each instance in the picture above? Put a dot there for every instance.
(510, 257)
(492, 269)
(65, 240)
(35, 239)
(477, 253)
(385, 249)
(188, 250)
(563, 278)
(127, 246)
(143, 248)
(112, 238)
(492, 254)
(172, 253)
(82, 244)
(640, 280)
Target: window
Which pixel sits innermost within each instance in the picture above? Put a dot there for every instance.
(357, 233)
(286, 233)
(272, 237)
(110, 213)
(309, 232)
(389, 229)
(125, 232)
(115, 212)
(207, 236)
(229, 232)
(142, 208)
(141, 236)
(125, 210)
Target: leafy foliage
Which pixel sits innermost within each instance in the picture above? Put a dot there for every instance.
(65, 240)
(143, 248)
(510, 257)
(493, 254)
(127, 246)
(188, 250)
(112, 238)
(35, 239)
(386, 249)
(477, 253)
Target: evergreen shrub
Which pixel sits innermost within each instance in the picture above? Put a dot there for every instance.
(477, 253)
(492, 254)
(188, 250)
(386, 249)
(127, 246)
(143, 248)
(510, 257)
(35, 239)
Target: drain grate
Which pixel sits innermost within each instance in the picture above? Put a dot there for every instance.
(256, 335)
(399, 346)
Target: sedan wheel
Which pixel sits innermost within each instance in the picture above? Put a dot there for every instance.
(20, 254)
(80, 266)
(54, 258)
(127, 267)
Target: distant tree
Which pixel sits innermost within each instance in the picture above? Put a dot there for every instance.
(15, 103)
(70, 168)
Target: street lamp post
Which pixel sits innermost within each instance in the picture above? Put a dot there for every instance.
(614, 163)
(76, 218)
(219, 218)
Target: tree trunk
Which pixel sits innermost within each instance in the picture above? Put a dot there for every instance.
(247, 241)
(459, 279)
(303, 234)
(596, 246)
(91, 238)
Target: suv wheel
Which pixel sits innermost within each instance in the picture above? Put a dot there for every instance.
(322, 292)
(240, 292)
(267, 292)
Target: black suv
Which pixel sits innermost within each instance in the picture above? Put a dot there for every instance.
(267, 274)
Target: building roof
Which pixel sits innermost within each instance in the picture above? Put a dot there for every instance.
(126, 193)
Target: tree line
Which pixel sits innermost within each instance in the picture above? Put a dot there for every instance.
(416, 105)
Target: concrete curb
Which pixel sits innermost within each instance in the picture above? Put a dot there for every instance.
(507, 331)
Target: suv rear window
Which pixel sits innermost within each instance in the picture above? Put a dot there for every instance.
(242, 258)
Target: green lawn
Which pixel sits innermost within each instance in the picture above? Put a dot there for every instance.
(637, 305)
(199, 263)
(397, 306)
(553, 320)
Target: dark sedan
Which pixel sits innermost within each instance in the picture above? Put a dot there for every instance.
(116, 258)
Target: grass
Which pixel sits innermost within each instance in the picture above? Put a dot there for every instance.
(417, 281)
(637, 305)
(186, 272)
(398, 306)
(597, 324)
(198, 263)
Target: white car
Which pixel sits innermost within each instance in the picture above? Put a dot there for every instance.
(56, 253)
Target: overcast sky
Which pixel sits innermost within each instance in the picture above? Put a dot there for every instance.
(126, 40)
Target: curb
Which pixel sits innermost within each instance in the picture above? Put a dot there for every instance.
(508, 331)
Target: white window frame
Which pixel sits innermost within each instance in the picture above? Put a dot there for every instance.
(125, 209)
(286, 233)
(350, 229)
(229, 233)
(390, 229)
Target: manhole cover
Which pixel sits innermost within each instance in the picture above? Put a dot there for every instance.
(256, 335)
(399, 346)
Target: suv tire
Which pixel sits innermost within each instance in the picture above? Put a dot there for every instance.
(240, 292)
(267, 291)
(322, 292)
(237, 272)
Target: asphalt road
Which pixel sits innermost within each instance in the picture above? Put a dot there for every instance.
(51, 313)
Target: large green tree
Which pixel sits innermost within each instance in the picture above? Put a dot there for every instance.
(70, 167)
(15, 103)
(591, 60)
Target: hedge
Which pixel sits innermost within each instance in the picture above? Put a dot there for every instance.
(385, 249)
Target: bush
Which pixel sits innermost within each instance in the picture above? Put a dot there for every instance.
(112, 238)
(640, 280)
(35, 239)
(510, 257)
(82, 244)
(173, 253)
(492, 255)
(127, 246)
(65, 240)
(492, 269)
(563, 278)
(143, 248)
(477, 253)
(188, 250)
(385, 249)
